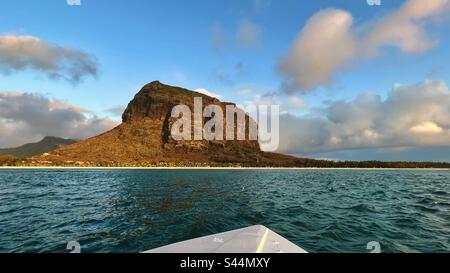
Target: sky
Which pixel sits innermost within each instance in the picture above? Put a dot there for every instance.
(355, 81)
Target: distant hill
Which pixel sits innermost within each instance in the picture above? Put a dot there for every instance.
(46, 145)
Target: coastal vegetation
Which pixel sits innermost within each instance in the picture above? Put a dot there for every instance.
(8, 160)
(300, 163)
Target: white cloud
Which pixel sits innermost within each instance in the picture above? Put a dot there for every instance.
(325, 45)
(427, 127)
(404, 28)
(411, 116)
(19, 53)
(329, 43)
(208, 93)
(29, 117)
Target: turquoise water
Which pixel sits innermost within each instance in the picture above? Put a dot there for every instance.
(135, 210)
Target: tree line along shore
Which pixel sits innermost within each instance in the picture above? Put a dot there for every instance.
(11, 161)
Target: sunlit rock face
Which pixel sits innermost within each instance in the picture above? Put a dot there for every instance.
(144, 137)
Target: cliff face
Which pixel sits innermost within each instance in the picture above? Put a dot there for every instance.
(144, 135)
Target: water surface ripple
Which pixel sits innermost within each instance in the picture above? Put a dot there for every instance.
(136, 210)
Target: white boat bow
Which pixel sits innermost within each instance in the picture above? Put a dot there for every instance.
(254, 239)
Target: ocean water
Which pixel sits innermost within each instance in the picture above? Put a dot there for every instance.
(137, 210)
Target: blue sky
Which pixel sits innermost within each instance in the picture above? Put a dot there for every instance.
(139, 41)
(135, 42)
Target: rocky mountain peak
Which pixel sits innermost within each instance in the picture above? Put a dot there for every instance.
(156, 100)
(144, 137)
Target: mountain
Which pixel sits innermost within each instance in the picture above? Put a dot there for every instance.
(144, 139)
(46, 145)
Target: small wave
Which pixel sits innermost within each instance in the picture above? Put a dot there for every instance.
(132, 211)
(426, 208)
(439, 192)
(360, 208)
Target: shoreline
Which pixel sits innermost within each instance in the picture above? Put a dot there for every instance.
(209, 168)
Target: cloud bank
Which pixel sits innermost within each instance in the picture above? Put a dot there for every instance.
(329, 42)
(20, 53)
(28, 117)
(411, 116)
